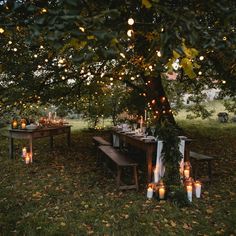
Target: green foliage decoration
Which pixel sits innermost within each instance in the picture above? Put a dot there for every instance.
(172, 156)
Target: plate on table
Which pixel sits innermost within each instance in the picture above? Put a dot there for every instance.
(31, 126)
(148, 138)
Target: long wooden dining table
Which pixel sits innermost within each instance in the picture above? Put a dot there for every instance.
(149, 146)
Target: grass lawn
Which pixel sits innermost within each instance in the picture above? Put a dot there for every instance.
(63, 192)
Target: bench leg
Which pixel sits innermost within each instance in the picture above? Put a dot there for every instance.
(136, 177)
(118, 176)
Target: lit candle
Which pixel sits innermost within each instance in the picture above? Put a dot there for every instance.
(186, 173)
(189, 192)
(149, 192)
(23, 124)
(198, 189)
(24, 152)
(162, 192)
(14, 124)
(27, 159)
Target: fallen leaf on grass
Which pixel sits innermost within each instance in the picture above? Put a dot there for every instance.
(186, 226)
(172, 223)
(209, 210)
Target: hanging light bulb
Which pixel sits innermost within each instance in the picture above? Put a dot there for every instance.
(130, 33)
(130, 21)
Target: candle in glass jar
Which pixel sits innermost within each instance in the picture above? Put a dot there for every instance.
(27, 159)
(186, 173)
(162, 192)
(149, 192)
(14, 124)
(23, 124)
(189, 192)
(24, 152)
(198, 189)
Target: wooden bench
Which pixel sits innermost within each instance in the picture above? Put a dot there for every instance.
(97, 140)
(121, 161)
(197, 157)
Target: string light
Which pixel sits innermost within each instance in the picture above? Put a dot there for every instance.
(82, 29)
(130, 21)
(130, 33)
(201, 58)
(1, 30)
(122, 55)
(200, 73)
(158, 53)
(10, 42)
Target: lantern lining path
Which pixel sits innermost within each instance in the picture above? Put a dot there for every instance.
(37, 133)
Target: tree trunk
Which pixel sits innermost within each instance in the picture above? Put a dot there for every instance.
(158, 101)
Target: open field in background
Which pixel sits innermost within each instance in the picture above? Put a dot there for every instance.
(64, 193)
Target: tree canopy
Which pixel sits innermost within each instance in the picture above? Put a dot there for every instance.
(61, 51)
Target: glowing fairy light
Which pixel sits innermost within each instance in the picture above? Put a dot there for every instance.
(82, 29)
(46, 60)
(15, 49)
(130, 33)
(200, 73)
(1, 30)
(130, 21)
(201, 58)
(224, 38)
(132, 78)
(44, 10)
(122, 55)
(35, 55)
(223, 82)
(10, 42)
(158, 53)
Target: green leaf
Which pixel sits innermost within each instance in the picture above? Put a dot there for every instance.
(146, 3)
(176, 54)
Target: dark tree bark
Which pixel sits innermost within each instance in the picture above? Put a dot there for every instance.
(157, 97)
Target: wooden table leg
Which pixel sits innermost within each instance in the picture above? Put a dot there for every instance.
(11, 146)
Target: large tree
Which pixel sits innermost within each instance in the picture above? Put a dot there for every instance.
(196, 39)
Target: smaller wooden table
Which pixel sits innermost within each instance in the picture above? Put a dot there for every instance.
(37, 133)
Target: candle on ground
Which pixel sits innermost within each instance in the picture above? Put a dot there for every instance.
(198, 189)
(27, 159)
(189, 192)
(24, 152)
(149, 192)
(162, 192)
(186, 173)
